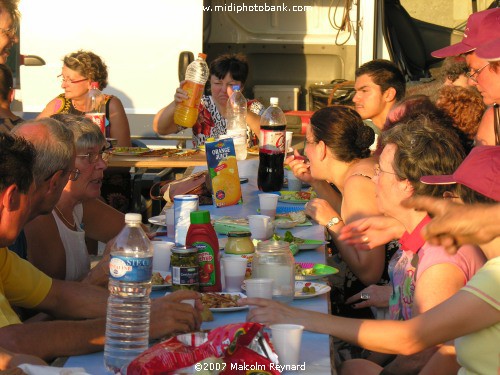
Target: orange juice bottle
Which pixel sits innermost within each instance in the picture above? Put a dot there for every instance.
(197, 74)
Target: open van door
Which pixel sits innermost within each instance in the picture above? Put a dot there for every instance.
(142, 44)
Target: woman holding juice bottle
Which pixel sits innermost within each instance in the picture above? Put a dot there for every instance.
(225, 71)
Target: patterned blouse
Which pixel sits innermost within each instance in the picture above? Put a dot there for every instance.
(211, 123)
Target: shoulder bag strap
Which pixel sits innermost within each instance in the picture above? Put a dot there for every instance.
(496, 115)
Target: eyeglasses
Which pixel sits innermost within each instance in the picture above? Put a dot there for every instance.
(475, 73)
(74, 174)
(92, 157)
(378, 170)
(68, 80)
(10, 32)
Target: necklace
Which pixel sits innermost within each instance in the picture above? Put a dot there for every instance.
(71, 225)
(77, 106)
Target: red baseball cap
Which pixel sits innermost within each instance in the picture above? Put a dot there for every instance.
(479, 171)
(482, 27)
(489, 51)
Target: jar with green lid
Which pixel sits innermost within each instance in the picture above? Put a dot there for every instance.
(184, 263)
(239, 244)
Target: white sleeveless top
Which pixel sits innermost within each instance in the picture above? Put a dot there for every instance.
(77, 256)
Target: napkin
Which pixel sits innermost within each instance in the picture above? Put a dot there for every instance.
(48, 370)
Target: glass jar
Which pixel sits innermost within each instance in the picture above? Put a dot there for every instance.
(274, 260)
(184, 263)
(239, 244)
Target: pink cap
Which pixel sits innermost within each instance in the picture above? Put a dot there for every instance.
(482, 27)
(479, 171)
(489, 51)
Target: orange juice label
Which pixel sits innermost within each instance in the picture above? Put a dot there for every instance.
(194, 91)
(223, 169)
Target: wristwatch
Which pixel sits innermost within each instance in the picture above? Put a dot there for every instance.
(333, 221)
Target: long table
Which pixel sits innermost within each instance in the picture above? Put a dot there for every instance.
(315, 349)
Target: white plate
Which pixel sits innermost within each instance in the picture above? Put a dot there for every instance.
(158, 220)
(228, 309)
(162, 286)
(320, 289)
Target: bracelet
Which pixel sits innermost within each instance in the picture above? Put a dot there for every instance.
(333, 221)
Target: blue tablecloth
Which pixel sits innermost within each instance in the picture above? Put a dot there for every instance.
(315, 348)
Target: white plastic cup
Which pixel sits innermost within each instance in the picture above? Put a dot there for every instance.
(161, 255)
(261, 226)
(268, 203)
(190, 302)
(259, 288)
(234, 273)
(170, 220)
(286, 339)
(294, 184)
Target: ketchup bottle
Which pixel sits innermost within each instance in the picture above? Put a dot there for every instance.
(201, 234)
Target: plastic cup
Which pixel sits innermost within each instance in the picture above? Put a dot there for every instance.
(286, 339)
(288, 141)
(261, 226)
(234, 273)
(268, 203)
(259, 288)
(170, 221)
(294, 184)
(161, 255)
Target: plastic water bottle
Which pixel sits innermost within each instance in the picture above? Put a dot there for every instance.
(95, 107)
(236, 113)
(127, 319)
(272, 148)
(197, 73)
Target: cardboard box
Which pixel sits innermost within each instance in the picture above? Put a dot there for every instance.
(288, 95)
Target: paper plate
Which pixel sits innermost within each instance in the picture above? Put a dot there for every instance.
(320, 289)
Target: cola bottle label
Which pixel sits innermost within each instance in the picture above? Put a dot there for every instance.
(272, 142)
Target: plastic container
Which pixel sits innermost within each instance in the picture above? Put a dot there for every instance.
(197, 74)
(127, 319)
(201, 234)
(273, 260)
(95, 107)
(236, 115)
(240, 245)
(272, 148)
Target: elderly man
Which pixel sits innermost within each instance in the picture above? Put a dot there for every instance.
(78, 309)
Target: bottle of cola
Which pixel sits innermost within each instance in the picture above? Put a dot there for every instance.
(272, 148)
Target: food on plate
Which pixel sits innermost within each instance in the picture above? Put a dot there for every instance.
(289, 237)
(206, 314)
(129, 150)
(220, 300)
(160, 152)
(300, 271)
(157, 279)
(298, 195)
(307, 288)
(297, 216)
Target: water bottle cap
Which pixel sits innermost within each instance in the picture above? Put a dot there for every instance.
(202, 55)
(133, 218)
(274, 101)
(199, 217)
(94, 85)
(236, 87)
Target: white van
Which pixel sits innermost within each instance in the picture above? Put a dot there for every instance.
(289, 43)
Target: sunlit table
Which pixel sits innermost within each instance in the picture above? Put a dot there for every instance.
(315, 348)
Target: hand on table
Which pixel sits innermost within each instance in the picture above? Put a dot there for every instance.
(169, 315)
(269, 312)
(373, 295)
(320, 210)
(370, 232)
